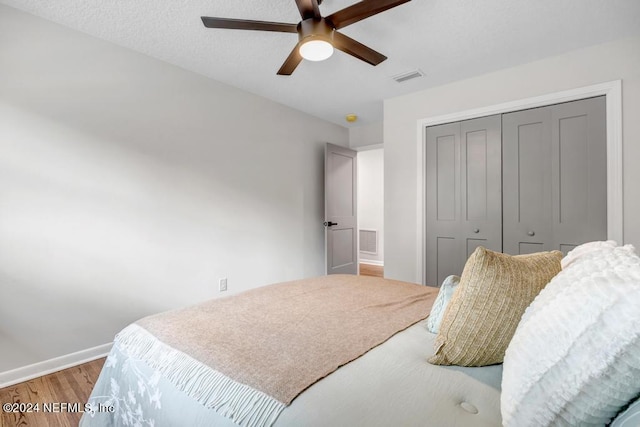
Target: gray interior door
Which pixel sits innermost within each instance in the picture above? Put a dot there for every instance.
(481, 184)
(555, 177)
(463, 194)
(443, 246)
(340, 210)
(526, 146)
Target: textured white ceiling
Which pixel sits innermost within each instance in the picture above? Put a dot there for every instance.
(447, 39)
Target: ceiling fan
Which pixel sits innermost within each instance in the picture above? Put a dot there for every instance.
(317, 35)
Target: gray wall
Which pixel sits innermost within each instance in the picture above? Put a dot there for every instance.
(597, 64)
(364, 135)
(129, 186)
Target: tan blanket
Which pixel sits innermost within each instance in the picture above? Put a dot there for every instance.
(267, 345)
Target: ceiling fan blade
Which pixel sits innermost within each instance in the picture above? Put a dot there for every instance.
(292, 61)
(245, 24)
(360, 11)
(357, 49)
(308, 9)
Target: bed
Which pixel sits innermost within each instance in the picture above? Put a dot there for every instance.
(528, 340)
(389, 383)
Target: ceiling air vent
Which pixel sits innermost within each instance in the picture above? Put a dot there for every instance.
(400, 78)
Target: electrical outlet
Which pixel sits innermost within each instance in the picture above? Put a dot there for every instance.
(222, 284)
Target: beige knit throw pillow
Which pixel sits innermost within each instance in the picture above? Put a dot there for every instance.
(482, 316)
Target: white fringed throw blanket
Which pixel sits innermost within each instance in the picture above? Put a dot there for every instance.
(248, 356)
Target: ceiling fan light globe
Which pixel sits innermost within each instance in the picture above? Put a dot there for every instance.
(316, 50)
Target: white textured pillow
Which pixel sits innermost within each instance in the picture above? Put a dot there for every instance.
(586, 248)
(575, 356)
(440, 304)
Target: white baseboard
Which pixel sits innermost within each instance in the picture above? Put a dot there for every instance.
(29, 372)
(372, 262)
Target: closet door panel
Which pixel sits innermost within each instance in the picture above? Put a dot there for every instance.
(555, 177)
(447, 259)
(475, 169)
(463, 193)
(527, 169)
(579, 173)
(481, 186)
(446, 183)
(444, 246)
(529, 248)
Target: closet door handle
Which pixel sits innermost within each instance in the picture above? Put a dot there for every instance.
(476, 230)
(531, 233)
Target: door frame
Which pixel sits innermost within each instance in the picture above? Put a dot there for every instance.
(368, 148)
(613, 93)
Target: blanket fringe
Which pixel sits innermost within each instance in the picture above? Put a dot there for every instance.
(241, 403)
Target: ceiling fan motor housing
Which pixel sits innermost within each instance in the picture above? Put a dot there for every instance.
(315, 29)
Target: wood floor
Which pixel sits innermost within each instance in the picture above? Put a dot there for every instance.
(371, 270)
(72, 385)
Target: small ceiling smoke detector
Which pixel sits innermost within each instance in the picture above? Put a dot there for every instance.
(400, 78)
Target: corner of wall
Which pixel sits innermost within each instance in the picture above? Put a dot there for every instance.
(366, 135)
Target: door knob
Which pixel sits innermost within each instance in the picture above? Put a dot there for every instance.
(476, 230)
(329, 224)
(531, 233)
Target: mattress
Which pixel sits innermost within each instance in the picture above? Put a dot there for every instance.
(391, 385)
